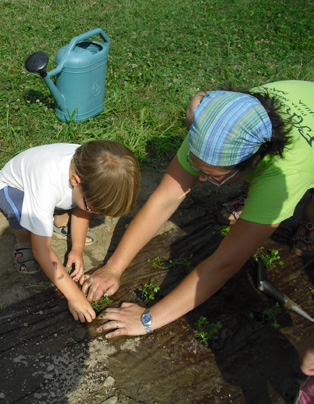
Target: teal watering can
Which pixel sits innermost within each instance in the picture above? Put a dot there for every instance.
(79, 88)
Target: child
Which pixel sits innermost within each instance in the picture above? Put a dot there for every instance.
(99, 177)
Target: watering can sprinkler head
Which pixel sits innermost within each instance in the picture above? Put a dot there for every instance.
(36, 63)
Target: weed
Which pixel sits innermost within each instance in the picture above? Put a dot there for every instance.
(149, 290)
(206, 331)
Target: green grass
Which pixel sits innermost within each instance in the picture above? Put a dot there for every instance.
(162, 52)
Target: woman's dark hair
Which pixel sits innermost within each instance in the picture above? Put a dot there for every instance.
(281, 128)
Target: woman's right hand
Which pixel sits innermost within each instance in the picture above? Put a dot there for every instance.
(103, 282)
(81, 309)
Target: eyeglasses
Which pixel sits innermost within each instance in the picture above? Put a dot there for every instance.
(86, 206)
(207, 176)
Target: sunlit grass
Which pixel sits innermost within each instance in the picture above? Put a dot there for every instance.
(162, 52)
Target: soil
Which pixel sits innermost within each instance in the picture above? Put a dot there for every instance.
(47, 357)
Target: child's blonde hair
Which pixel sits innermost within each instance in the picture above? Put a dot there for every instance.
(110, 176)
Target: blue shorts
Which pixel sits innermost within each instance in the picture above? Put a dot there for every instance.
(11, 202)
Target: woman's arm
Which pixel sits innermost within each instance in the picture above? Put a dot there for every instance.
(206, 279)
(172, 190)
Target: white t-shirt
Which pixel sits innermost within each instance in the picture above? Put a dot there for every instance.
(42, 172)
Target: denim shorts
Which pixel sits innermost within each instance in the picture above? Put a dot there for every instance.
(11, 202)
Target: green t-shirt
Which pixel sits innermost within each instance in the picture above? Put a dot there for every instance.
(277, 184)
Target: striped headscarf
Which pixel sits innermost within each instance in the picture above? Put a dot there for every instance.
(228, 127)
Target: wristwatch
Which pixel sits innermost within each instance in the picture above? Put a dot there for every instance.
(147, 321)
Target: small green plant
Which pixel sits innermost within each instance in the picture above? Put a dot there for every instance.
(149, 290)
(224, 230)
(270, 258)
(97, 305)
(184, 262)
(269, 315)
(206, 331)
(157, 263)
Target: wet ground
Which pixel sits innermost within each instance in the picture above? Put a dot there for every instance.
(251, 357)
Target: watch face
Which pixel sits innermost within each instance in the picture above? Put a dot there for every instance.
(146, 318)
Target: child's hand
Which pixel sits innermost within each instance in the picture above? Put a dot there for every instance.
(81, 310)
(77, 260)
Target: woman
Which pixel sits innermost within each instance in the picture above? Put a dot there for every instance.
(232, 135)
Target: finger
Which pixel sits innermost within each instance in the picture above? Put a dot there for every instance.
(76, 275)
(112, 290)
(82, 317)
(126, 304)
(83, 279)
(115, 333)
(110, 314)
(87, 287)
(109, 325)
(69, 263)
(75, 316)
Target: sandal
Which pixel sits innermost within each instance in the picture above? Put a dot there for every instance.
(231, 209)
(64, 233)
(26, 262)
(306, 227)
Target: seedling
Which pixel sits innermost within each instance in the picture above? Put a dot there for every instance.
(161, 264)
(157, 263)
(149, 290)
(97, 305)
(207, 331)
(184, 262)
(269, 314)
(224, 230)
(271, 258)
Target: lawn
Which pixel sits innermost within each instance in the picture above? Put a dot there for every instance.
(161, 53)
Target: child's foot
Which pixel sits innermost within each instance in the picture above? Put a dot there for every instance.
(24, 259)
(231, 211)
(64, 233)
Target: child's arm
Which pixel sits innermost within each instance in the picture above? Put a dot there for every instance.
(53, 268)
(79, 226)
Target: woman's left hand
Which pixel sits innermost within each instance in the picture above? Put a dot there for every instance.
(124, 321)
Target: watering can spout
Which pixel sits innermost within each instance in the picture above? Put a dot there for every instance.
(36, 63)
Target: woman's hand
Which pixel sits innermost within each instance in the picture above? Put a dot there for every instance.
(105, 281)
(124, 321)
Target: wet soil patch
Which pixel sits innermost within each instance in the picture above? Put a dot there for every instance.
(47, 357)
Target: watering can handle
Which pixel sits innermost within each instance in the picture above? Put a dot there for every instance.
(73, 43)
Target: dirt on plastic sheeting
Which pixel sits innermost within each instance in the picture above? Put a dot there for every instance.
(47, 357)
